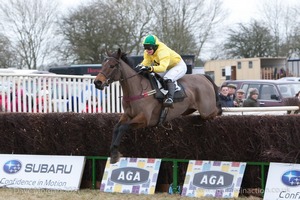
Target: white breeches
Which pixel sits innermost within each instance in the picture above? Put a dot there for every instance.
(176, 72)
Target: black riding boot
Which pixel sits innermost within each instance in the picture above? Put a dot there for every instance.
(171, 89)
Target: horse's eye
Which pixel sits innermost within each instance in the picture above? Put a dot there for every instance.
(111, 66)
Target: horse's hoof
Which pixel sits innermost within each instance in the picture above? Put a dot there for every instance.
(115, 157)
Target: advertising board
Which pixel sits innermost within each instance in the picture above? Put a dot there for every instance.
(41, 172)
(213, 179)
(283, 182)
(131, 175)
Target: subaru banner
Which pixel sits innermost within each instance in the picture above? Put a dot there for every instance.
(283, 182)
(41, 171)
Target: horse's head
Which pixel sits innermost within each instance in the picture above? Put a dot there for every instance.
(110, 70)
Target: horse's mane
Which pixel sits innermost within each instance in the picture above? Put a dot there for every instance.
(128, 61)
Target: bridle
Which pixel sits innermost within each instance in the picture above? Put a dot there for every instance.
(111, 78)
(116, 68)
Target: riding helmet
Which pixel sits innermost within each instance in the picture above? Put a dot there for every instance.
(150, 41)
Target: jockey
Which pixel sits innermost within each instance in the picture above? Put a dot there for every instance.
(159, 58)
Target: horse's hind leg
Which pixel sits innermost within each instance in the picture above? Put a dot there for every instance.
(118, 133)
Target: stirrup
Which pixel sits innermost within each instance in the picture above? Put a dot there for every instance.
(168, 102)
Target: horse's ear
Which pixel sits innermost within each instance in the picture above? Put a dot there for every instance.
(119, 53)
(108, 53)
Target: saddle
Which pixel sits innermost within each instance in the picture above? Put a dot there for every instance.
(157, 84)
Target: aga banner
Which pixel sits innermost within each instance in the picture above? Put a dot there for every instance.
(131, 175)
(213, 179)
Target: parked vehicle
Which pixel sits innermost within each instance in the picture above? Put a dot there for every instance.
(271, 92)
(289, 79)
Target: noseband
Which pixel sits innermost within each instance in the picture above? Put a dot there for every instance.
(110, 77)
(116, 68)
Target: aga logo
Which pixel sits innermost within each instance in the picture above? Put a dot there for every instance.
(213, 180)
(129, 176)
(291, 178)
(12, 166)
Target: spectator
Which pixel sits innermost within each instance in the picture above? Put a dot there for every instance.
(252, 100)
(97, 107)
(16, 97)
(44, 91)
(298, 95)
(225, 100)
(231, 91)
(46, 101)
(73, 104)
(239, 99)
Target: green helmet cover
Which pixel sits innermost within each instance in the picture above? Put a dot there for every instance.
(150, 39)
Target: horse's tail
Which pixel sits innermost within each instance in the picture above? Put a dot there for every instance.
(216, 88)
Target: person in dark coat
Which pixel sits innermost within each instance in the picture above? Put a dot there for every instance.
(252, 100)
(225, 100)
(231, 91)
(239, 99)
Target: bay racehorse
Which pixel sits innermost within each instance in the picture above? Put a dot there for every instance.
(142, 108)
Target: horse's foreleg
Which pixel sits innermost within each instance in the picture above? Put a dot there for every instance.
(118, 132)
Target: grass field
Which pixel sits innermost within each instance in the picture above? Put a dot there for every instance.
(30, 194)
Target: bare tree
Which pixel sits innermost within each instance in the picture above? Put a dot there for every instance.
(28, 25)
(102, 25)
(282, 19)
(186, 25)
(172, 25)
(6, 53)
(250, 41)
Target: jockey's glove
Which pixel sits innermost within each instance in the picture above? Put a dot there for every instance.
(146, 68)
(139, 66)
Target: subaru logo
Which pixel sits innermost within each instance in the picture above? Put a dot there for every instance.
(291, 178)
(12, 166)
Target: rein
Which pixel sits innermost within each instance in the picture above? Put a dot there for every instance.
(115, 68)
(110, 79)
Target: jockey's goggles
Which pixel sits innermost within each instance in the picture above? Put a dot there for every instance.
(148, 47)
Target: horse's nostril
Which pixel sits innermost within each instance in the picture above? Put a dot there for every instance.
(97, 82)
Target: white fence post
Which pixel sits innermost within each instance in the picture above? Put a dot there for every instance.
(57, 93)
(65, 93)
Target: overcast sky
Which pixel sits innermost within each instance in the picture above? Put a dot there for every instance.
(239, 10)
(244, 10)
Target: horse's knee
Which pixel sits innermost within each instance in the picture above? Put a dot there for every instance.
(124, 127)
(118, 133)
